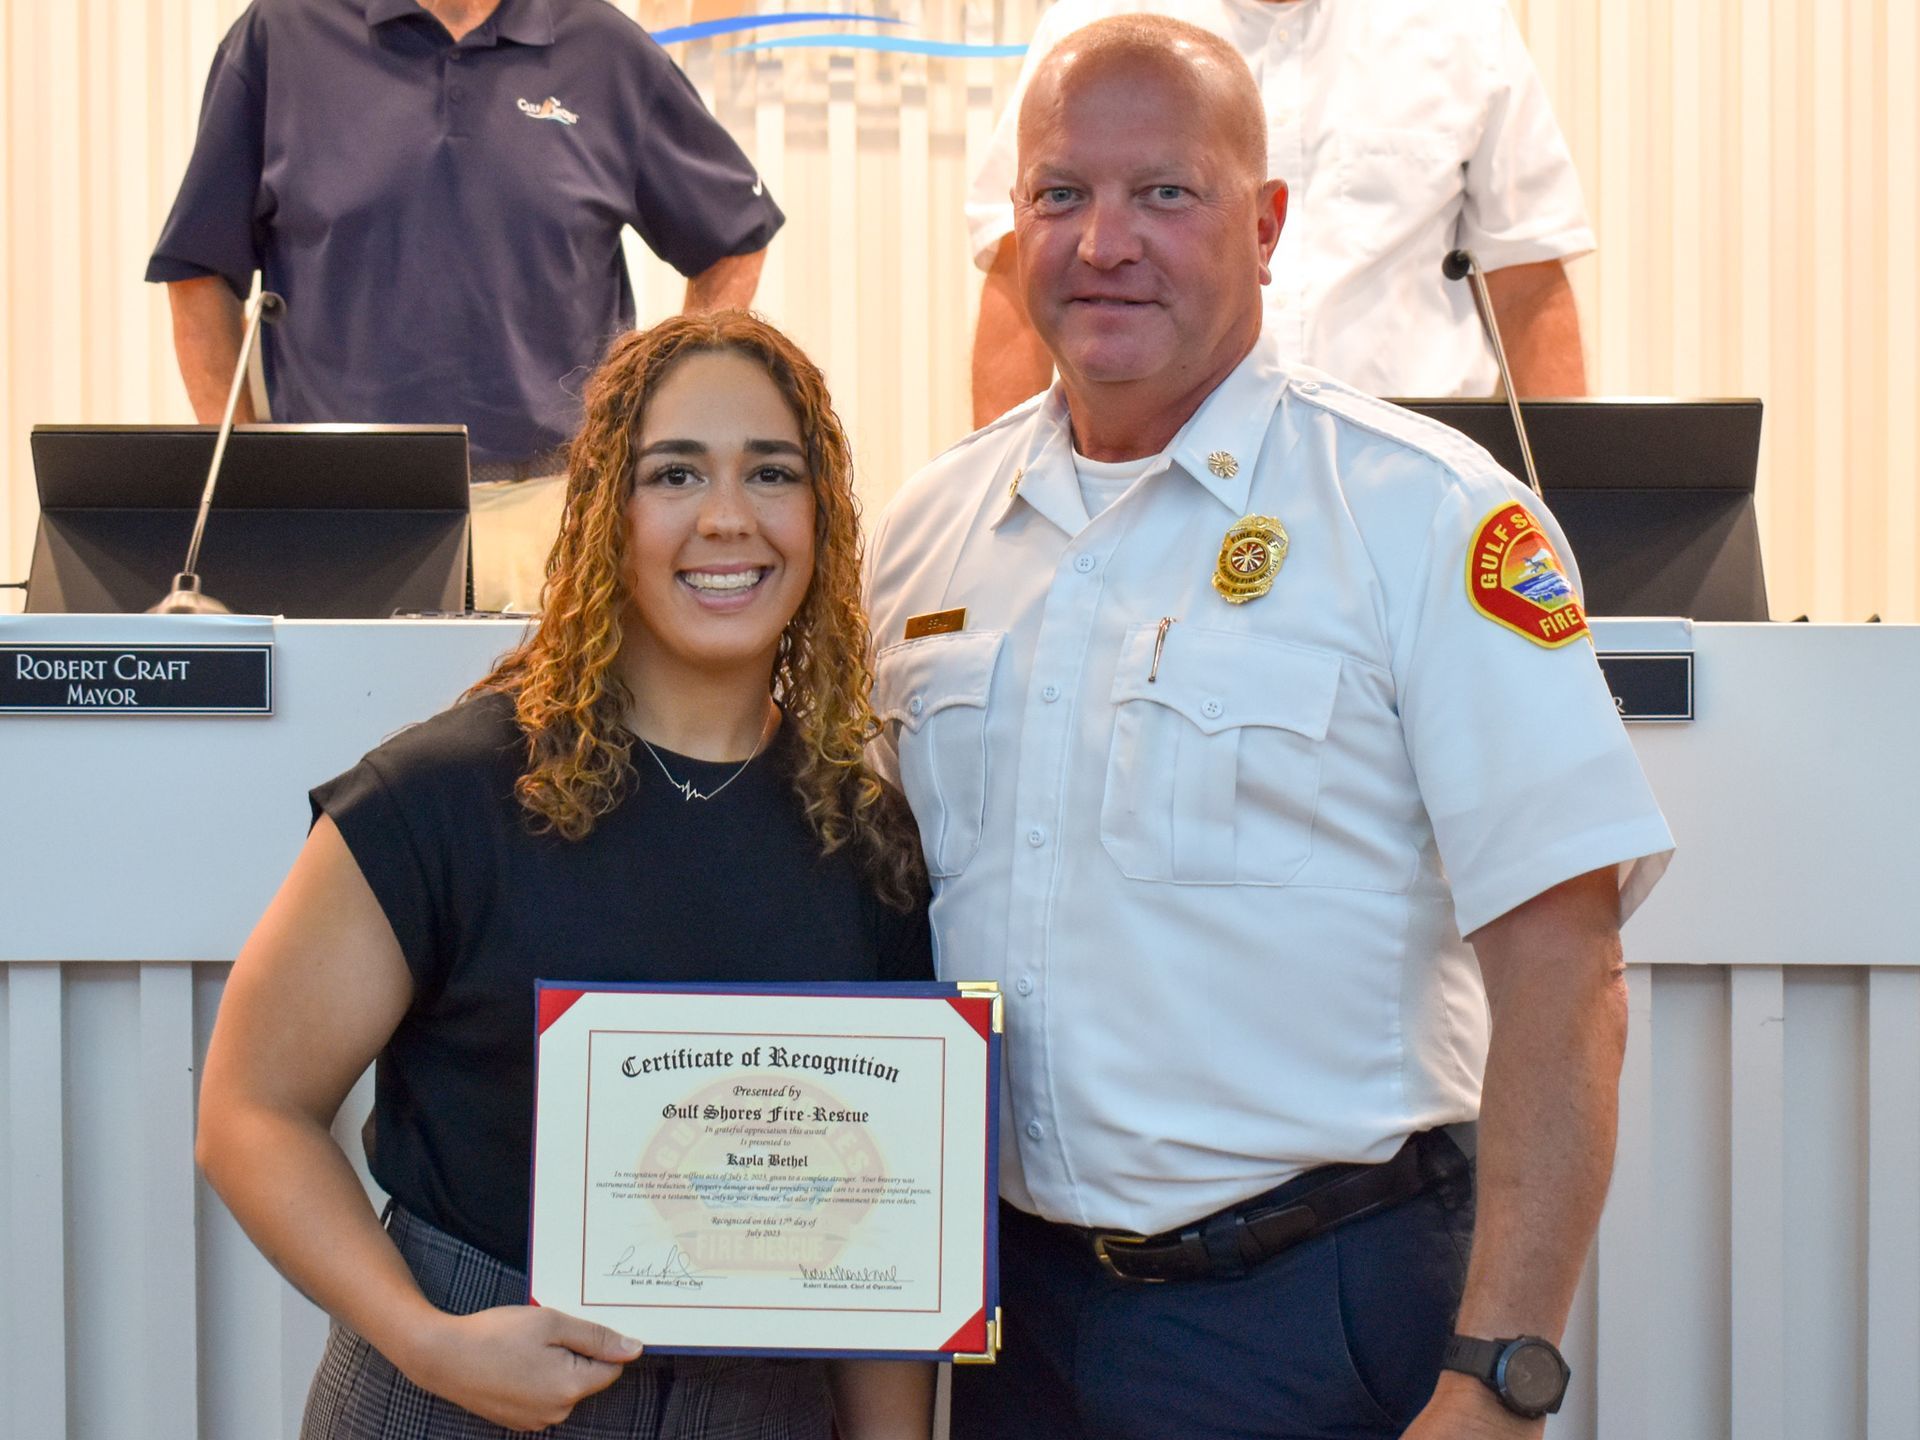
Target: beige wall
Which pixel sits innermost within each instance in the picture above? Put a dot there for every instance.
(1752, 167)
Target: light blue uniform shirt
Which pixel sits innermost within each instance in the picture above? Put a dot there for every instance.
(1225, 898)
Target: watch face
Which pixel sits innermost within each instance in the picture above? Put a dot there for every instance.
(1533, 1375)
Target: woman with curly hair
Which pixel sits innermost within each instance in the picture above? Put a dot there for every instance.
(666, 781)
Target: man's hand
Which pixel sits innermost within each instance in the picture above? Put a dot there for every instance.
(1464, 1409)
(520, 1366)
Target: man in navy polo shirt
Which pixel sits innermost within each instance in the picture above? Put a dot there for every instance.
(438, 190)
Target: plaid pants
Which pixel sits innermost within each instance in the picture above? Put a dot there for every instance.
(357, 1395)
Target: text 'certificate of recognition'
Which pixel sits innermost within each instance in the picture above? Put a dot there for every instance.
(774, 1170)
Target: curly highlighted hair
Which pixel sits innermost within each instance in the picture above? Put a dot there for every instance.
(568, 694)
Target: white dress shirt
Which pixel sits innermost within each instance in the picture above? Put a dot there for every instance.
(1403, 128)
(1212, 888)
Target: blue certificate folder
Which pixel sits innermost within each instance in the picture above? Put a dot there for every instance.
(793, 1170)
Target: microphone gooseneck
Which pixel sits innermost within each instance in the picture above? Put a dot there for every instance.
(185, 598)
(1461, 265)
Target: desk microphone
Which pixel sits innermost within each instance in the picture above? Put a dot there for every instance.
(1460, 265)
(185, 597)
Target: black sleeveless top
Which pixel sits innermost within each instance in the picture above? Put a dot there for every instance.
(663, 889)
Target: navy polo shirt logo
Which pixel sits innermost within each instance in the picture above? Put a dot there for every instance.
(549, 109)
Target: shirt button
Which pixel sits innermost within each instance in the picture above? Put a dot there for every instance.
(1035, 1129)
(1084, 564)
(1050, 694)
(1023, 985)
(1309, 387)
(916, 705)
(1212, 709)
(1284, 36)
(1036, 837)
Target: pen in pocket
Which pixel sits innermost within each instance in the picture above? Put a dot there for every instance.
(1159, 644)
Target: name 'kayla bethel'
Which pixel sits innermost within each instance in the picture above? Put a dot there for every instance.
(775, 1057)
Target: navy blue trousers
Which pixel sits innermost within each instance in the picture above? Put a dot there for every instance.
(1338, 1338)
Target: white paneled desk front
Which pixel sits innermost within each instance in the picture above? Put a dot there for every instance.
(1766, 1202)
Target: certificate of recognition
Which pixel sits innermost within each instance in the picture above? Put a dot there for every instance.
(776, 1170)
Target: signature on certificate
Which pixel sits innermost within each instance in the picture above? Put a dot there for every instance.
(856, 1274)
(675, 1268)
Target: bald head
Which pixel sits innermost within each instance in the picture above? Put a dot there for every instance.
(1201, 69)
(1143, 223)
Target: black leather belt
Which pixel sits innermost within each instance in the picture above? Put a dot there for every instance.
(1233, 1240)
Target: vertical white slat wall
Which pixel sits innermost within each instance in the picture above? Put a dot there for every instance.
(1757, 1273)
(9, 1154)
(1893, 1182)
(37, 1320)
(1757, 1194)
(1626, 1272)
(1826, 1257)
(169, 1270)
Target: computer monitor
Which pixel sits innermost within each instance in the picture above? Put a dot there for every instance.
(308, 521)
(1656, 496)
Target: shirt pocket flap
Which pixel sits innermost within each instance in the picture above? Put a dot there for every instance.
(1219, 679)
(917, 679)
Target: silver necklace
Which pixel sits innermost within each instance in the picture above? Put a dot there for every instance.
(686, 787)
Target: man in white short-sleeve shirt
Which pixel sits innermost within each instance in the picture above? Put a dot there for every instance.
(1403, 130)
(1228, 701)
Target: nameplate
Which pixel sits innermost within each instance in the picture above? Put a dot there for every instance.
(136, 679)
(938, 622)
(1650, 686)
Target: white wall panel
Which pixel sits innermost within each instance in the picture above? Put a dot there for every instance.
(111, 1313)
(1826, 1258)
(1893, 1199)
(1730, 1294)
(37, 1314)
(1625, 1273)
(9, 1154)
(1687, 1311)
(168, 1239)
(1756, 1199)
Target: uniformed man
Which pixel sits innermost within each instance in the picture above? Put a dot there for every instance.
(1229, 700)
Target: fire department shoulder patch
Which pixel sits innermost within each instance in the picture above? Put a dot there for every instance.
(1515, 579)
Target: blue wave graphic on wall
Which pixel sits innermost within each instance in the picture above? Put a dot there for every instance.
(706, 29)
(892, 44)
(941, 49)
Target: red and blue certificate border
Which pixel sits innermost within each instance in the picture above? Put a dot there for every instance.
(976, 1341)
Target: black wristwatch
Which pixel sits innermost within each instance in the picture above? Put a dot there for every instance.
(1526, 1372)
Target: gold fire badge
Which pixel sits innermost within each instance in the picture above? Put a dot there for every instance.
(1250, 557)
